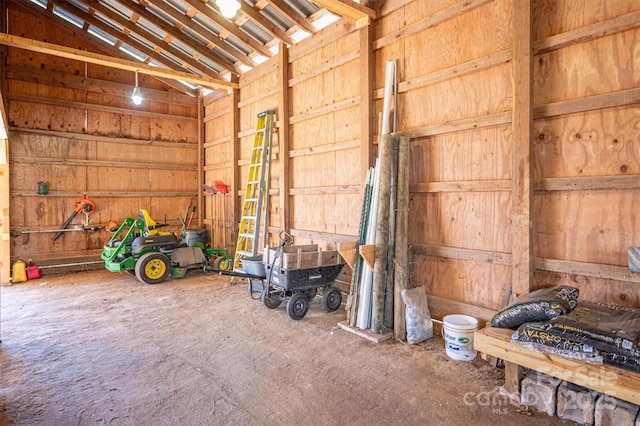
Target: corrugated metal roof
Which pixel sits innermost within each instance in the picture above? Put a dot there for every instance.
(188, 35)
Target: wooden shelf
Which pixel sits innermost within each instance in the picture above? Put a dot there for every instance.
(617, 382)
(348, 253)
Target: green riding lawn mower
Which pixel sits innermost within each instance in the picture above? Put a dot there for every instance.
(142, 248)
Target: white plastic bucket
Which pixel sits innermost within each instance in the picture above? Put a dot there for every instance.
(457, 331)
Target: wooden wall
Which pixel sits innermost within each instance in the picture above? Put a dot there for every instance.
(475, 187)
(317, 142)
(491, 217)
(73, 125)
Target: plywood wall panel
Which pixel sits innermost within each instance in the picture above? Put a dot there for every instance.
(481, 93)
(46, 117)
(479, 221)
(347, 124)
(552, 17)
(314, 212)
(595, 143)
(347, 213)
(475, 283)
(458, 40)
(118, 125)
(471, 155)
(307, 174)
(604, 65)
(311, 94)
(313, 132)
(586, 226)
(592, 289)
(346, 173)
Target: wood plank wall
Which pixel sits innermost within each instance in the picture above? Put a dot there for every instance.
(456, 101)
(322, 142)
(73, 125)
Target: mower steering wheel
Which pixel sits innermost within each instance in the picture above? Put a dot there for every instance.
(286, 239)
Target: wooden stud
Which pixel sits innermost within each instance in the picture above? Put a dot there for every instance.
(283, 138)
(522, 239)
(367, 58)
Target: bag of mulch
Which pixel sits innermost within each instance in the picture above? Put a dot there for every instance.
(417, 316)
(539, 305)
(606, 327)
(533, 336)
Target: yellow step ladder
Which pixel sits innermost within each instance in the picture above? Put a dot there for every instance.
(256, 196)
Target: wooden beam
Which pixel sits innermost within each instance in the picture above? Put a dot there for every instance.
(211, 37)
(293, 15)
(600, 29)
(98, 107)
(151, 38)
(437, 18)
(176, 33)
(205, 10)
(70, 81)
(105, 47)
(201, 159)
(283, 137)
(266, 23)
(367, 107)
(108, 61)
(361, 14)
(522, 131)
(236, 200)
(584, 269)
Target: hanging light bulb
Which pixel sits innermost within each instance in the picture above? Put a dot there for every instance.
(136, 96)
(228, 8)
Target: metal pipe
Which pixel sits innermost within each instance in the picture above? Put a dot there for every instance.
(70, 264)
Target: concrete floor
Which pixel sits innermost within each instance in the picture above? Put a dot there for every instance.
(97, 348)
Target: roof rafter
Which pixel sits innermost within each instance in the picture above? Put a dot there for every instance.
(176, 33)
(111, 62)
(293, 15)
(349, 9)
(106, 47)
(219, 20)
(203, 32)
(266, 23)
(152, 39)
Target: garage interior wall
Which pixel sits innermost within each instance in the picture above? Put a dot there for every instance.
(491, 217)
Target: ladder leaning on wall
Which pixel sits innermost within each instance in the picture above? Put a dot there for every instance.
(256, 196)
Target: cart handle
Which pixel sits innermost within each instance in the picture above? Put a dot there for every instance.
(286, 239)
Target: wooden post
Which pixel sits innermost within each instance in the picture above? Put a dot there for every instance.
(236, 201)
(522, 130)
(283, 137)
(382, 236)
(200, 200)
(367, 58)
(389, 293)
(401, 274)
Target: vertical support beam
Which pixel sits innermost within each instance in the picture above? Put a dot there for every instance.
(522, 130)
(235, 168)
(367, 110)
(283, 137)
(201, 178)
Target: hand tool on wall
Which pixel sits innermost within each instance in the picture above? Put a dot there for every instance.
(83, 205)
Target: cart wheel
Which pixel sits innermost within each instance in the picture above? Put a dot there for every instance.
(311, 293)
(153, 268)
(269, 301)
(297, 306)
(331, 299)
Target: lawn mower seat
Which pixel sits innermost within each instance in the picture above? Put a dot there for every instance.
(150, 225)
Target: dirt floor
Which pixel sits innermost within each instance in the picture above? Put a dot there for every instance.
(96, 348)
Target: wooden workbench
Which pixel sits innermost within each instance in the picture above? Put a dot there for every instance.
(622, 384)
